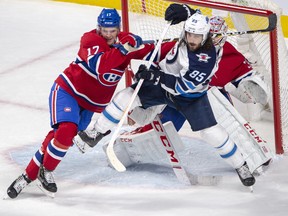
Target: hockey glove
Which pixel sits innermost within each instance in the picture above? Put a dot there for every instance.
(129, 43)
(133, 40)
(178, 13)
(147, 74)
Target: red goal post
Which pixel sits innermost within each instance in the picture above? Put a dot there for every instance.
(237, 8)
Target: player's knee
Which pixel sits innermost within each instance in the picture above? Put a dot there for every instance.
(215, 135)
(47, 140)
(123, 97)
(65, 133)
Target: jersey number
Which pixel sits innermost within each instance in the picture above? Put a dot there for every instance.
(196, 75)
(93, 50)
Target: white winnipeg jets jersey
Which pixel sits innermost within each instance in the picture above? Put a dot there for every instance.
(187, 73)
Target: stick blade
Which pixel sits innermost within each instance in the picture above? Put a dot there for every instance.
(272, 22)
(115, 162)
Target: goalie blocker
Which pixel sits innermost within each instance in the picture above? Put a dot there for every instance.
(146, 147)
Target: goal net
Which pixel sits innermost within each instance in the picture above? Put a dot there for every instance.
(266, 51)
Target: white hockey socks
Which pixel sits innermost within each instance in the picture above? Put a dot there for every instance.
(220, 140)
(114, 111)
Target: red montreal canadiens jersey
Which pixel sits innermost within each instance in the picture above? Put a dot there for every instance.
(232, 66)
(93, 77)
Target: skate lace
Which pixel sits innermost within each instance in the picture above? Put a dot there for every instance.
(244, 172)
(91, 133)
(20, 184)
(49, 176)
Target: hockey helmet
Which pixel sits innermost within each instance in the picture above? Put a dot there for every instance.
(109, 18)
(218, 26)
(198, 24)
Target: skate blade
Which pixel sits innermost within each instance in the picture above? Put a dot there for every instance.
(47, 193)
(5, 197)
(251, 189)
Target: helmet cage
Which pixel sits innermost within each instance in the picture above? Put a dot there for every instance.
(218, 26)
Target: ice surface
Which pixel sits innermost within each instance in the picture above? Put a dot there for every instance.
(38, 40)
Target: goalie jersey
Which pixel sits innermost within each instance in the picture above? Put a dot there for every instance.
(232, 66)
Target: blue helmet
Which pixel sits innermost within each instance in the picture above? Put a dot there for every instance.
(109, 18)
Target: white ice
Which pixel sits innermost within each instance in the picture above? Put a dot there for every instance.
(38, 40)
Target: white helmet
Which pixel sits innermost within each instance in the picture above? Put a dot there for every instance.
(198, 24)
(218, 26)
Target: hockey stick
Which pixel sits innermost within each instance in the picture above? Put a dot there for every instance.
(173, 157)
(115, 162)
(272, 22)
(272, 19)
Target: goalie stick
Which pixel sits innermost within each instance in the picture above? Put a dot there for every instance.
(272, 23)
(110, 151)
(173, 157)
(182, 175)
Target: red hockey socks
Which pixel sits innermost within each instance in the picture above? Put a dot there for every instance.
(57, 148)
(33, 167)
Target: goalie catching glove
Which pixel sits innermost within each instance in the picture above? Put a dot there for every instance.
(251, 89)
(147, 74)
(177, 13)
(129, 43)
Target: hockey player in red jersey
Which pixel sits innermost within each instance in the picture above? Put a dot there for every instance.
(86, 86)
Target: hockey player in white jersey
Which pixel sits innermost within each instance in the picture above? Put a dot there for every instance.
(181, 82)
(142, 144)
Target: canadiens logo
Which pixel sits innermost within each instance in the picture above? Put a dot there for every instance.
(203, 57)
(110, 78)
(173, 51)
(172, 56)
(67, 109)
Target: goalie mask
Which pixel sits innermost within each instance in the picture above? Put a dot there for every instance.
(109, 18)
(197, 24)
(218, 26)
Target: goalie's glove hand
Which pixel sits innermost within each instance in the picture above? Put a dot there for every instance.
(147, 74)
(178, 13)
(129, 43)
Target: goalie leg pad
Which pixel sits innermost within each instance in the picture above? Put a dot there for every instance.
(254, 149)
(141, 148)
(145, 116)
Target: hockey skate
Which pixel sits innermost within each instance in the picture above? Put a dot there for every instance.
(88, 139)
(46, 182)
(245, 175)
(18, 185)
